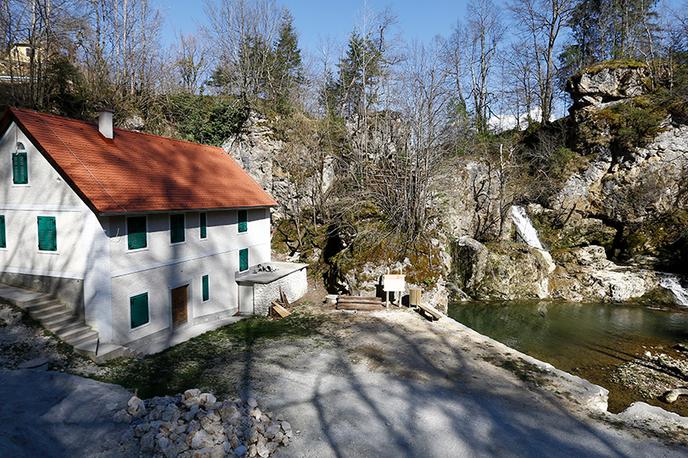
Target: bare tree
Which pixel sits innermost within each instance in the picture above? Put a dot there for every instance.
(191, 64)
(485, 32)
(242, 33)
(540, 23)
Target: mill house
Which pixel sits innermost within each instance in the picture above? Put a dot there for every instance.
(139, 241)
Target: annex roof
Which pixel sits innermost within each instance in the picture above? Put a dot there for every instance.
(136, 172)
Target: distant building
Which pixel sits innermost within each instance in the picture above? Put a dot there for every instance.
(21, 53)
(15, 65)
(146, 239)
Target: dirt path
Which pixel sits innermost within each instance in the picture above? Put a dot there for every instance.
(381, 384)
(52, 414)
(392, 384)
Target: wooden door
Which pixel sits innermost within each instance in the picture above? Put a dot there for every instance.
(180, 298)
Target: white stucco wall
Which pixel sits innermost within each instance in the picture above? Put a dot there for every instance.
(162, 266)
(46, 194)
(294, 286)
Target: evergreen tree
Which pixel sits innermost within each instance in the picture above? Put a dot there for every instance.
(287, 65)
(359, 71)
(610, 29)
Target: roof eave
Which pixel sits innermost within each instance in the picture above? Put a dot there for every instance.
(182, 210)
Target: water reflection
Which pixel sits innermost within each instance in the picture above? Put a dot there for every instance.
(590, 340)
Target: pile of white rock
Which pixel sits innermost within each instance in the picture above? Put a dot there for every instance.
(197, 425)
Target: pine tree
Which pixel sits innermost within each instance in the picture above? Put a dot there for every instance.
(287, 67)
(359, 70)
(610, 29)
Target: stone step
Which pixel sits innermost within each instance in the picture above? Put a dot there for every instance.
(106, 351)
(38, 303)
(83, 338)
(74, 333)
(48, 310)
(57, 320)
(50, 314)
(65, 326)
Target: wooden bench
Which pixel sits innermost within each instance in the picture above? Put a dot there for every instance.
(363, 303)
(428, 312)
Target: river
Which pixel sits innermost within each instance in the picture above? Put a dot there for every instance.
(588, 340)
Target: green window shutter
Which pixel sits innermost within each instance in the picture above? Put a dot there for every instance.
(206, 288)
(138, 308)
(3, 237)
(243, 259)
(47, 233)
(204, 225)
(20, 172)
(177, 228)
(136, 232)
(243, 221)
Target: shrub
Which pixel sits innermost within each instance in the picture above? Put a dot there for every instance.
(633, 124)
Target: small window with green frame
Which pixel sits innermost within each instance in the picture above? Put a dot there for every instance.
(203, 224)
(3, 234)
(243, 259)
(136, 232)
(177, 229)
(20, 165)
(243, 221)
(47, 233)
(206, 288)
(138, 310)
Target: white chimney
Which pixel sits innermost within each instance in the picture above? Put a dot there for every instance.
(105, 123)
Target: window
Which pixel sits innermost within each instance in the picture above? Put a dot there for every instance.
(138, 308)
(47, 233)
(243, 221)
(206, 288)
(204, 225)
(136, 232)
(20, 165)
(3, 237)
(243, 259)
(177, 228)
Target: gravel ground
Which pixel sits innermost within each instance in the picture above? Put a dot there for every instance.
(382, 384)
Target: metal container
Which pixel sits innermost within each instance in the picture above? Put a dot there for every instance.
(415, 296)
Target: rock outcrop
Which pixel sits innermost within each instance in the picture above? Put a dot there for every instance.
(255, 149)
(598, 86)
(505, 271)
(585, 274)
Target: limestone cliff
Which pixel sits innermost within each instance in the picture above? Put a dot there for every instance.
(617, 220)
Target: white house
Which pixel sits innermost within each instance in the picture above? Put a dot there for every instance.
(146, 240)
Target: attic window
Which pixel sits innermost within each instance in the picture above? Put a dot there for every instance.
(177, 228)
(20, 165)
(136, 232)
(243, 221)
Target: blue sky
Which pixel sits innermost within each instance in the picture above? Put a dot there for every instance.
(318, 21)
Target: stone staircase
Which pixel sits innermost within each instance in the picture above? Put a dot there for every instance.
(56, 318)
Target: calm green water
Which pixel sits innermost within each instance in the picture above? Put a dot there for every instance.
(589, 340)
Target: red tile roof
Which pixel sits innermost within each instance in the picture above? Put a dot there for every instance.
(137, 172)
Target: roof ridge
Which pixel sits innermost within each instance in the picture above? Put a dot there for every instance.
(137, 132)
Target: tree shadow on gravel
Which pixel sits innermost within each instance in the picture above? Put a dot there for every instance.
(401, 402)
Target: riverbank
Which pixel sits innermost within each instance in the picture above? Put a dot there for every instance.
(389, 384)
(618, 346)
